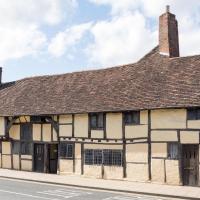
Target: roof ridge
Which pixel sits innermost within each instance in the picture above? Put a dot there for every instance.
(152, 51)
(74, 72)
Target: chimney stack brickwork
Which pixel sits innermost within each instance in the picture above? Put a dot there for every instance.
(168, 34)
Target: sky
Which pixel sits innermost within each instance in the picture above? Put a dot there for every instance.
(40, 37)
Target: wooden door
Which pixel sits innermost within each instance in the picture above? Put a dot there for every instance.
(190, 156)
(39, 157)
(53, 158)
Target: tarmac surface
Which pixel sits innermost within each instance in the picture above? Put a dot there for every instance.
(21, 190)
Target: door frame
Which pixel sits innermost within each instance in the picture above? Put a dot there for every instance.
(34, 156)
(48, 146)
(182, 164)
(46, 155)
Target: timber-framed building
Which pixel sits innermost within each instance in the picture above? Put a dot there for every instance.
(137, 122)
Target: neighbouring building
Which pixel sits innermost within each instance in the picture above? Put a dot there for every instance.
(138, 122)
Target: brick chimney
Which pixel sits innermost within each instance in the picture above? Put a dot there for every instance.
(168, 34)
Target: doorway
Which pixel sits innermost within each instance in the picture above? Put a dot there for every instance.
(45, 158)
(39, 157)
(190, 157)
(52, 158)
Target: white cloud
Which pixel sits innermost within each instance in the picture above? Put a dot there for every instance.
(21, 23)
(65, 40)
(120, 40)
(31, 11)
(133, 27)
(21, 41)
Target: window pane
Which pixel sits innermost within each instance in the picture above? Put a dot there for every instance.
(198, 114)
(62, 150)
(26, 148)
(173, 151)
(16, 147)
(100, 120)
(136, 117)
(192, 114)
(66, 150)
(93, 121)
(89, 157)
(128, 118)
(97, 157)
(132, 117)
(107, 157)
(117, 157)
(26, 132)
(69, 151)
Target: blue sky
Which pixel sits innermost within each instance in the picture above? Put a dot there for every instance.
(60, 36)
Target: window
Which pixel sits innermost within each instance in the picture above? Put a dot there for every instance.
(97, 157)
(97, 121)
(26, 132)
(112, 157)
(38, 119)
(106, 157)
(0, 147)
(89, 157)
(173, 151)
(117, 157)
(26, 148)
(193, 113)
(66, 150)
(16, 147)
(132, 117)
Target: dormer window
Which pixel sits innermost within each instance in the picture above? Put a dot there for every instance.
(193, 114)
(97, 121)
(132, 118)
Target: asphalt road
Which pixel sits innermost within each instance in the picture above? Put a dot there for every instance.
(21, 190)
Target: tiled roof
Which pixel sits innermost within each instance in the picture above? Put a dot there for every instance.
(155, 81)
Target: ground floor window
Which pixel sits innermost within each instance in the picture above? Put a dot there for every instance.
(26, 148)
(106, 157)
(66, 150)
(173, 151)
(16, 147)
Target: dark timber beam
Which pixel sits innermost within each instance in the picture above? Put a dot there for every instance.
(8, 126)
(54, 124)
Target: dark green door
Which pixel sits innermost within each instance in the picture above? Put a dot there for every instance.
(190, 156)
(39, 157)
(53, 158)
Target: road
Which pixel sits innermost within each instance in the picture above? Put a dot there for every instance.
(21, 190)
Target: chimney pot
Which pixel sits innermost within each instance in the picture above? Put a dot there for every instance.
(167, 8)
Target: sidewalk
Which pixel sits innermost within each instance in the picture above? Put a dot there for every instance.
(121, 186)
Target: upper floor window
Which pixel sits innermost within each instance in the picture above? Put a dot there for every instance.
(26, 132)
(193, 113)
(97, 120)
(132, 117)
(38, 119)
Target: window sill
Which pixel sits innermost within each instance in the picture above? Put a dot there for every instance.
(133, 124)
(96, 129)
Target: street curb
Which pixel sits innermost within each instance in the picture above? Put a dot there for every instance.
(103, 189)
